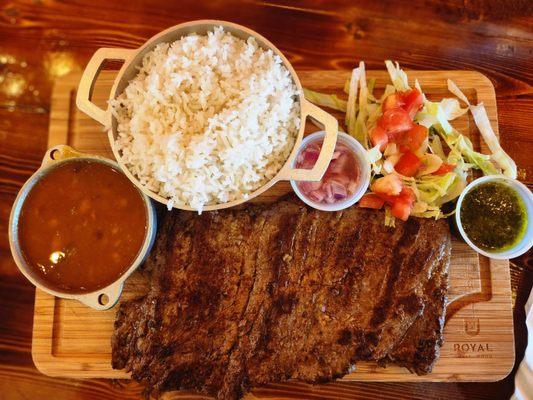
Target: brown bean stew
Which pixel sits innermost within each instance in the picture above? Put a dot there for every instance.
(82, 226)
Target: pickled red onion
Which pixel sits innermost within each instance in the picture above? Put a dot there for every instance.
(339, 181)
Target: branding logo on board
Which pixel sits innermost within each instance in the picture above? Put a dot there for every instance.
(477, 350)
(472, 349)
(471, 326)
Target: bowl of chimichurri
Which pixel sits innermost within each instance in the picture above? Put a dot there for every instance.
(494, 216)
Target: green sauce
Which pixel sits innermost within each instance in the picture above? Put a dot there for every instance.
(494, 216)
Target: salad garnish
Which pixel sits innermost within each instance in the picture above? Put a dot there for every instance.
(419, 160)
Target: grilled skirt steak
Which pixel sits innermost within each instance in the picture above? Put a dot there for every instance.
(241, 298)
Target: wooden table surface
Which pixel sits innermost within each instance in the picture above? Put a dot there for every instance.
(42, 40)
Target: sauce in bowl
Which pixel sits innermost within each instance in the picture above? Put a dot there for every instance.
(494, 216)
(81, 226)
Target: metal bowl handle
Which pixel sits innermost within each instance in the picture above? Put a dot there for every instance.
(331, 126)
(86, 86)
(103, 299)
(59, 153)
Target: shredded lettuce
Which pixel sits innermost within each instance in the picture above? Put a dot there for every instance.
(453, 192)
(432, 188)
(373, 154)
(505, 162)
(452, 87)
(455, 140)
(397, 76)
(460, 144)
(391, 149)
(377, 168)
(436, 111)
(352, 101)
(435, 146)
(390, 162)
(410, 183)
(482, 122)
(423, 210)
(374, 112)
(361, 130)
(389, 218)
(371, 83)
(441, 112)
(363, 91)
(452, 109)
(430, 164)
(389, 89)
(425, 119)
(374, 158)
(417, 85)
(326, 100)
(461, 147)
(361, 105)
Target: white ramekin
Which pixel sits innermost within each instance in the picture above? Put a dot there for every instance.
(364, 169)
(522, 190)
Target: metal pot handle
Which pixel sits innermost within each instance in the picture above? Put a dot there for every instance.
(59, 153)
(86, 86)
(103, 299)
(331, 126)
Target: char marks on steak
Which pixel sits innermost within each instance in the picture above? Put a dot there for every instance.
(241, 298)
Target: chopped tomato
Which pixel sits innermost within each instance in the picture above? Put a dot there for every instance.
(390, 185)
(392, 101)
(408, 164)
(408, 195)
(401, 209)
(444, 169)
(371, 200)
(403, 204)
(378, 136)
(394, 121)
(387, 198)
(412, 102)
(413, 139)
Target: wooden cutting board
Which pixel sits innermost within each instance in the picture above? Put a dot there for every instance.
(72, 340)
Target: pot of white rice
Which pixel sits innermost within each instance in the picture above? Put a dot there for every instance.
(206, 115)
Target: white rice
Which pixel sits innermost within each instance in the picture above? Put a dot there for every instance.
(208, 119)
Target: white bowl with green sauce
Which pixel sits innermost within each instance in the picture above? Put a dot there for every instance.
(494, 216)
